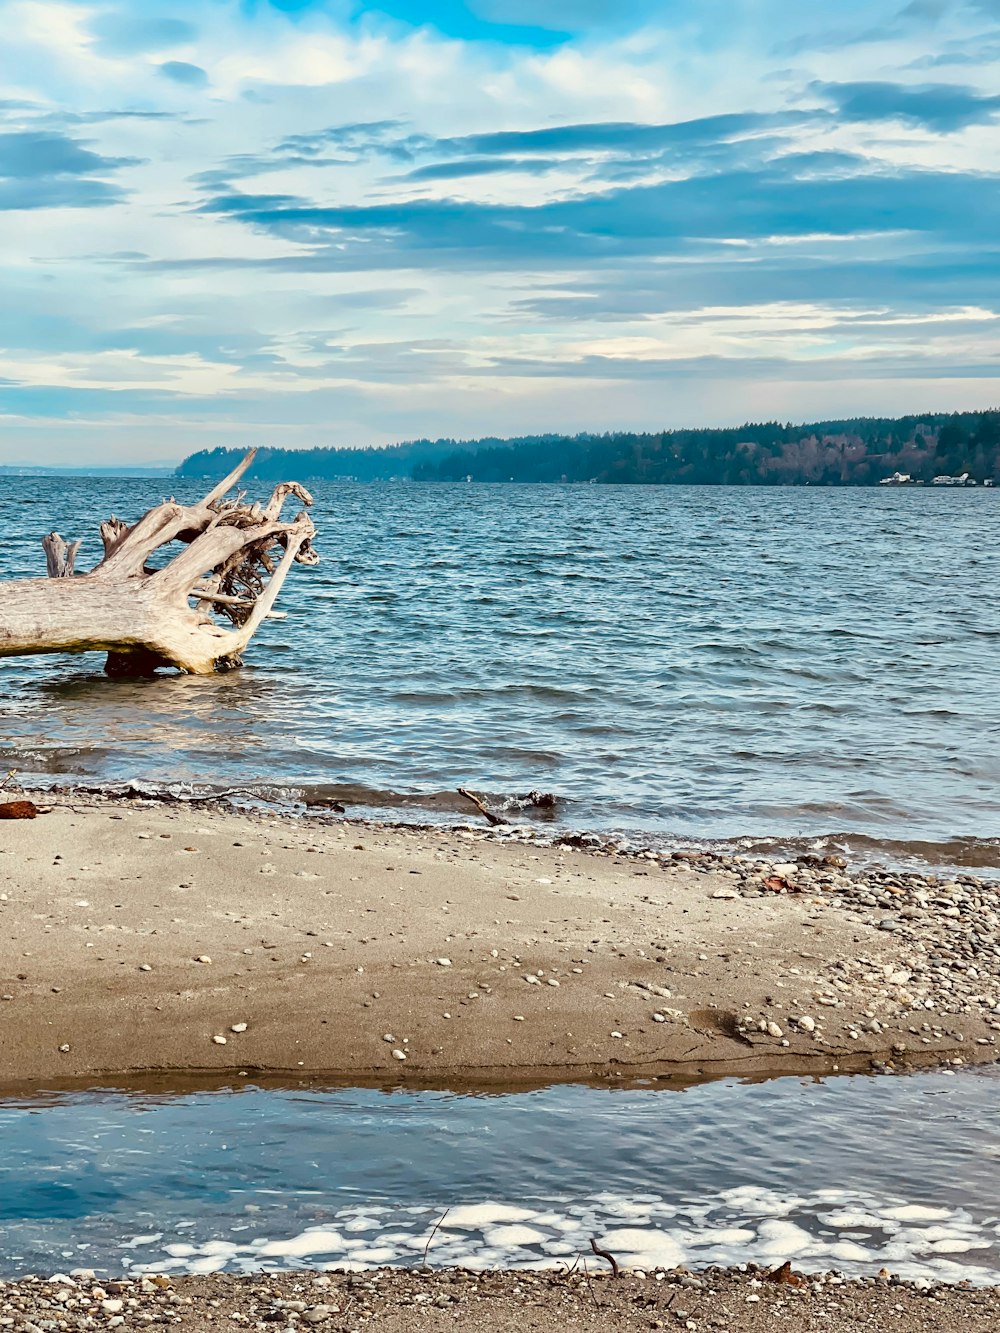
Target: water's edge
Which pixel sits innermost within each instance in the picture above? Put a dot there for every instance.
(721, 1174)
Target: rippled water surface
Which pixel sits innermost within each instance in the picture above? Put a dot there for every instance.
(850, 1174)
(692, 662)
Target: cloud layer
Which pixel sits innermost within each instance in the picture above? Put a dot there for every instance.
(323, 222)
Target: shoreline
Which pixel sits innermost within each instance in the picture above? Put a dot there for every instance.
(490, 961)
(432, 812)
(740, 1300)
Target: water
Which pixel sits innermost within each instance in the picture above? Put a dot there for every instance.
(689, 662)
(851, 1174)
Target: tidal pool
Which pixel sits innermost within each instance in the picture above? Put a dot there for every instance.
(849, 1173)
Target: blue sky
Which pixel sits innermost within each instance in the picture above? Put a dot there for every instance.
(309, 222)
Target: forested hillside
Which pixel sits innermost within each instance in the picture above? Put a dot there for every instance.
(828, 453)
(858, 452)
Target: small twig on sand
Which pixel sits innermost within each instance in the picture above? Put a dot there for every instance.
(604, 1254)
(434, 1232)
(9, 778)
(590, 1285)
(469, 796)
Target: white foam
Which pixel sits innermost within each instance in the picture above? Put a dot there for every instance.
(299, 1247)
(784, 1239)
(847, 1250)
(643, 1249)
(741, 1225)
(848, 1217)
(915, 1212)
(722, 1236)
(958, 1246)
(480, 1215)
(511, 1236)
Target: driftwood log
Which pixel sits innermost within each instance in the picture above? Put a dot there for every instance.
(232, 561)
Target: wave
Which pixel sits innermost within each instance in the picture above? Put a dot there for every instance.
(548, 817)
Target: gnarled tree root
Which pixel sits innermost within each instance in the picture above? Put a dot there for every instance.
(233, 560)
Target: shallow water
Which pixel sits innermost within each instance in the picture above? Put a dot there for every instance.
(851, 1174)
(689, 662)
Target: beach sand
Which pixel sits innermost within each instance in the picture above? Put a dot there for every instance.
(139, 939)
(395, 1301)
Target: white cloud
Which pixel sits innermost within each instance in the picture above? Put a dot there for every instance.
(176, 326)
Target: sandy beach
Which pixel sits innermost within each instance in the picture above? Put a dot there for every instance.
(139, 940)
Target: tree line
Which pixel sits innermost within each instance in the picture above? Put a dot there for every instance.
(852, 452)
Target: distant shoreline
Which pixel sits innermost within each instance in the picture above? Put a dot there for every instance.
(859, 451)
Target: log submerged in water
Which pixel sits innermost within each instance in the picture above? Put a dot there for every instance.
(233, 559)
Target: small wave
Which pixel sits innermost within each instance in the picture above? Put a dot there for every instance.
(864, 850)
(558, 814)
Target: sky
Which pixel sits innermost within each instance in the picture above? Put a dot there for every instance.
(334, 222)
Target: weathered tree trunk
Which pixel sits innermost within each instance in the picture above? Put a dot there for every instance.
(144, 617)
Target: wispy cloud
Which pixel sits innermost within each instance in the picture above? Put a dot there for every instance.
(181, 71)
(41, 169)
(312, 222)
(943, 107)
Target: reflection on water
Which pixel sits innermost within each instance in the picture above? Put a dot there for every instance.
(698, 662)
(852, 1174)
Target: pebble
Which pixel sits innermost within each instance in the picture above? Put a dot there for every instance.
(203, 958)
(443, 962)
(806, 1023)
(219, 1039)
(238, 1027)
(398, 1054)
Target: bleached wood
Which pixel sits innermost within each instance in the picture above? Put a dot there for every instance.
(234, 557)
(60, 555)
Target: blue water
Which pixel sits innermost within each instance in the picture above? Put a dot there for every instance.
(688, 662)
(851, 1174)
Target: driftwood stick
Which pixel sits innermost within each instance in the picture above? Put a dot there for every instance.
(227, 483)
(434, 1231)
(483, 809)
(205, 595)
(60, 556)
(112, 531)
(590, 1285)
(605, 1254)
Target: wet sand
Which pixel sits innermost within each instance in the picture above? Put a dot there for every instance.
(140, 939)
(395, 1301)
